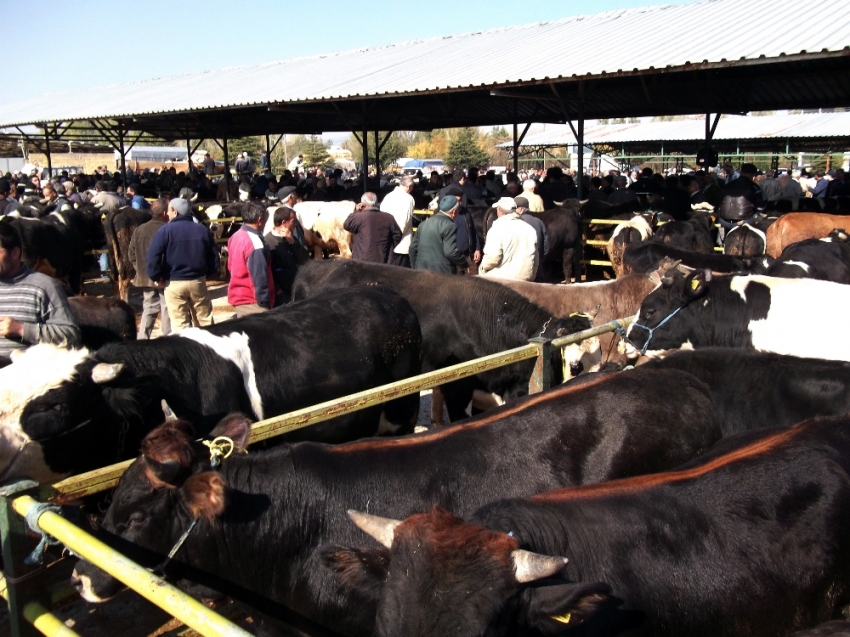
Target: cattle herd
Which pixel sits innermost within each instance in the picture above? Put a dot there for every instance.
(687, 476)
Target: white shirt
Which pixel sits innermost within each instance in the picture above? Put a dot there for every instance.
(510, 251)
(400, 205)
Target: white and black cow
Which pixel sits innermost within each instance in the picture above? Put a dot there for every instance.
(65, 411)
(800, 317)
(827, 259)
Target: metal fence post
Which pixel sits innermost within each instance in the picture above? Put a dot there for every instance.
(541, 377)
(22, 580)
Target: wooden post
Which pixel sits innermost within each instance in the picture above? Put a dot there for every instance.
(365, 143)
(541, 377)
(226, 170)
(47, 152)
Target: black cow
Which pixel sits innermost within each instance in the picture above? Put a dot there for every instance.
(826, 259)
(462, 318)
(51, 250)
(749, 542)
(279, 506)
(65, 411)
(693, 235)
(644, 257)
(756, 312)
(563, 232)
(103, 320)
(744, 241)
(754, 390)
(119, 226)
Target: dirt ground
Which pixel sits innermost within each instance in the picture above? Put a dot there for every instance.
(128, 614)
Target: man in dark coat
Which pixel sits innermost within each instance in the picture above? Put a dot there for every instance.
(375, 233)
(153, 298)
(434, 245)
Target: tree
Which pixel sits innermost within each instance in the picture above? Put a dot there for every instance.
(496, 136)
(428, 145)
(465, 151)
(316, 153)
(395, 147)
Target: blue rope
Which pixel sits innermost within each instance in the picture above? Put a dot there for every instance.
(31, 518)
(651, 330)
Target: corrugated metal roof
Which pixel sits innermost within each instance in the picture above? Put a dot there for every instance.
(730, 127)
(703, 33)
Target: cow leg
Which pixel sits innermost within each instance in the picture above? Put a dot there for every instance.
(437, 404)
(458, 396)
(569, 253)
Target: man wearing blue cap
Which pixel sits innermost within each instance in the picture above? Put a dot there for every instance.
(434, 245)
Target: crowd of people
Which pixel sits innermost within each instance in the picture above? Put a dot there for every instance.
(174, 256)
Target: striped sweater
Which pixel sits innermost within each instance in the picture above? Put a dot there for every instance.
(39, 303)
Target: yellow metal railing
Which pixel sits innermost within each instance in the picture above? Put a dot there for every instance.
(44, 621)
(153, 588)
(156, 590)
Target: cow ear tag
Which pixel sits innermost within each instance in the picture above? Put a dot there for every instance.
(694, 284)
(564, 619)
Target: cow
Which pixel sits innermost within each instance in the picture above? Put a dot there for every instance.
(826, 259)
(646, 256)
(102, 320)
(747, 541)
(606, 300)
(797, 226)
(563, 231)
(693, 235)
(755, 312)
(758, 390)
(462, 318)
(66, 411)
(51, 249)
(322, 223)
(745, 242)
(632, 231)
(119, 226)
(281, 505)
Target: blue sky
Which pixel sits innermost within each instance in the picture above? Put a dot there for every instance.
(91, 43)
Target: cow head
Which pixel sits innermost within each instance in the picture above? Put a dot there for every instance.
(438, 575)
(62, 411)
(658, 321)
(157, 498)
(576, 358)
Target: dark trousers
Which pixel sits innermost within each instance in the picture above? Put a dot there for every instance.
(402, 260)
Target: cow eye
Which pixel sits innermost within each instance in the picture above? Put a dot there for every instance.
(137, 519)
(648, 313)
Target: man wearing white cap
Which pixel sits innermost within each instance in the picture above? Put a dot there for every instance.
(510, 251)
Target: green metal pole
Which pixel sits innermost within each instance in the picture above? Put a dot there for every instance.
(541, 377)
(23, 581)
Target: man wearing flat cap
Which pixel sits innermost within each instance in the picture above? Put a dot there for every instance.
(511, 248)
(180, 258)
(434, 244)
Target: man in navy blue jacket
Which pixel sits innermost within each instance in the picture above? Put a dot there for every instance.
(181, 257)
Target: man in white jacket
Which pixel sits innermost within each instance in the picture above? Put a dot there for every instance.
(400, 204)
(510, 251)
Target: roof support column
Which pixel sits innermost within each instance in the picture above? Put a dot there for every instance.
(189, 156)
(123, 152)
(269, 151)
(365, 144)
(709, 135)
(47, 152)
(378, 146)
(516, 149)
(580, 140)
(226, 170)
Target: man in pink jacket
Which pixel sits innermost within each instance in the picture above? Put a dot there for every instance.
(251, 288)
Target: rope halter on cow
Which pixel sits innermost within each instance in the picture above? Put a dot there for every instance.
(650, 330)
(220, 448)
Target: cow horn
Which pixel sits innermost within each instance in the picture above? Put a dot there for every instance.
(167, 411)
(533, 566)
(106, 372)
(382, 529)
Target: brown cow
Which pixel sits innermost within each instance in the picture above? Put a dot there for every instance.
(614, 299)
(797, 226)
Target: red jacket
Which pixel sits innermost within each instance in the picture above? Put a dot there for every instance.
(249, 263)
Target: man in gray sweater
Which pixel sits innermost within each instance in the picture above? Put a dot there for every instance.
(33, 308)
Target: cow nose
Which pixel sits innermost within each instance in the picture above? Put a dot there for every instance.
(76, 582)
(576, 368)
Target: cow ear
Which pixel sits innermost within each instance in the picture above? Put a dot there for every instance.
(697, 284)
(235, 426)
(105, 372)
(555, 609)
(165, 470)
(204, 495)
(361, 570)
